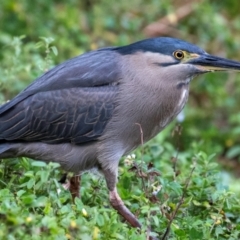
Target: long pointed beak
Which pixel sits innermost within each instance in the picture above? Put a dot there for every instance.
(210, 63)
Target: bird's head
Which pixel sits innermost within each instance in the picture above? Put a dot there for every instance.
(179, 58)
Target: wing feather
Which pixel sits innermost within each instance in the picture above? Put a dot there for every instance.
(92, 69)
(73, 102)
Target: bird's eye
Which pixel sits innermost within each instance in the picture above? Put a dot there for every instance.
(178, 54)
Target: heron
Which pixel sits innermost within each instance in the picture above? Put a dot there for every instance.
(87, 112)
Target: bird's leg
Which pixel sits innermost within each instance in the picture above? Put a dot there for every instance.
(118, 204)
(116, 201)
(72, 184)
(74, 187)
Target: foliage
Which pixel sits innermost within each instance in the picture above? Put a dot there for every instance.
(189, 192)
(174, 181)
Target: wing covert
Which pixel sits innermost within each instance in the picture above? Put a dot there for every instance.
(68, 115)
(70, 103)
(92, 69)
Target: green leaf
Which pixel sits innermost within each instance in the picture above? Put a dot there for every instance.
(55, 51)
(20, 193)
(30, 183)
(233, 152)
(38, 164)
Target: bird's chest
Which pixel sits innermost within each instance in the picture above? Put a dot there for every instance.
(169, 108)
(142, 115)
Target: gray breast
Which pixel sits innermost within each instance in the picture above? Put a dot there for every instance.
(171, 110)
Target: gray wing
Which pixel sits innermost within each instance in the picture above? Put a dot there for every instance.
(71, 103)
(91, 69)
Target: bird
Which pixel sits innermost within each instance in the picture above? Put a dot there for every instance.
(91, 110)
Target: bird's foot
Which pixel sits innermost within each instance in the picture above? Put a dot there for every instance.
(118, 205)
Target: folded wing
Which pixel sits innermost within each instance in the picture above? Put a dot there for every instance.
(73, 102)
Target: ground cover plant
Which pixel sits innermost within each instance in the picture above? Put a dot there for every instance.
(184, 184)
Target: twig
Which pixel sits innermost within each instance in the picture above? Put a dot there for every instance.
(165, 25)
(180, 202)
(178, 130)
(141, 166)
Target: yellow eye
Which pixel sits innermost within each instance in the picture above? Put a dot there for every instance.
(178, 54)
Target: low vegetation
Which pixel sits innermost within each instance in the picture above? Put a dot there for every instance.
(183, 184)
